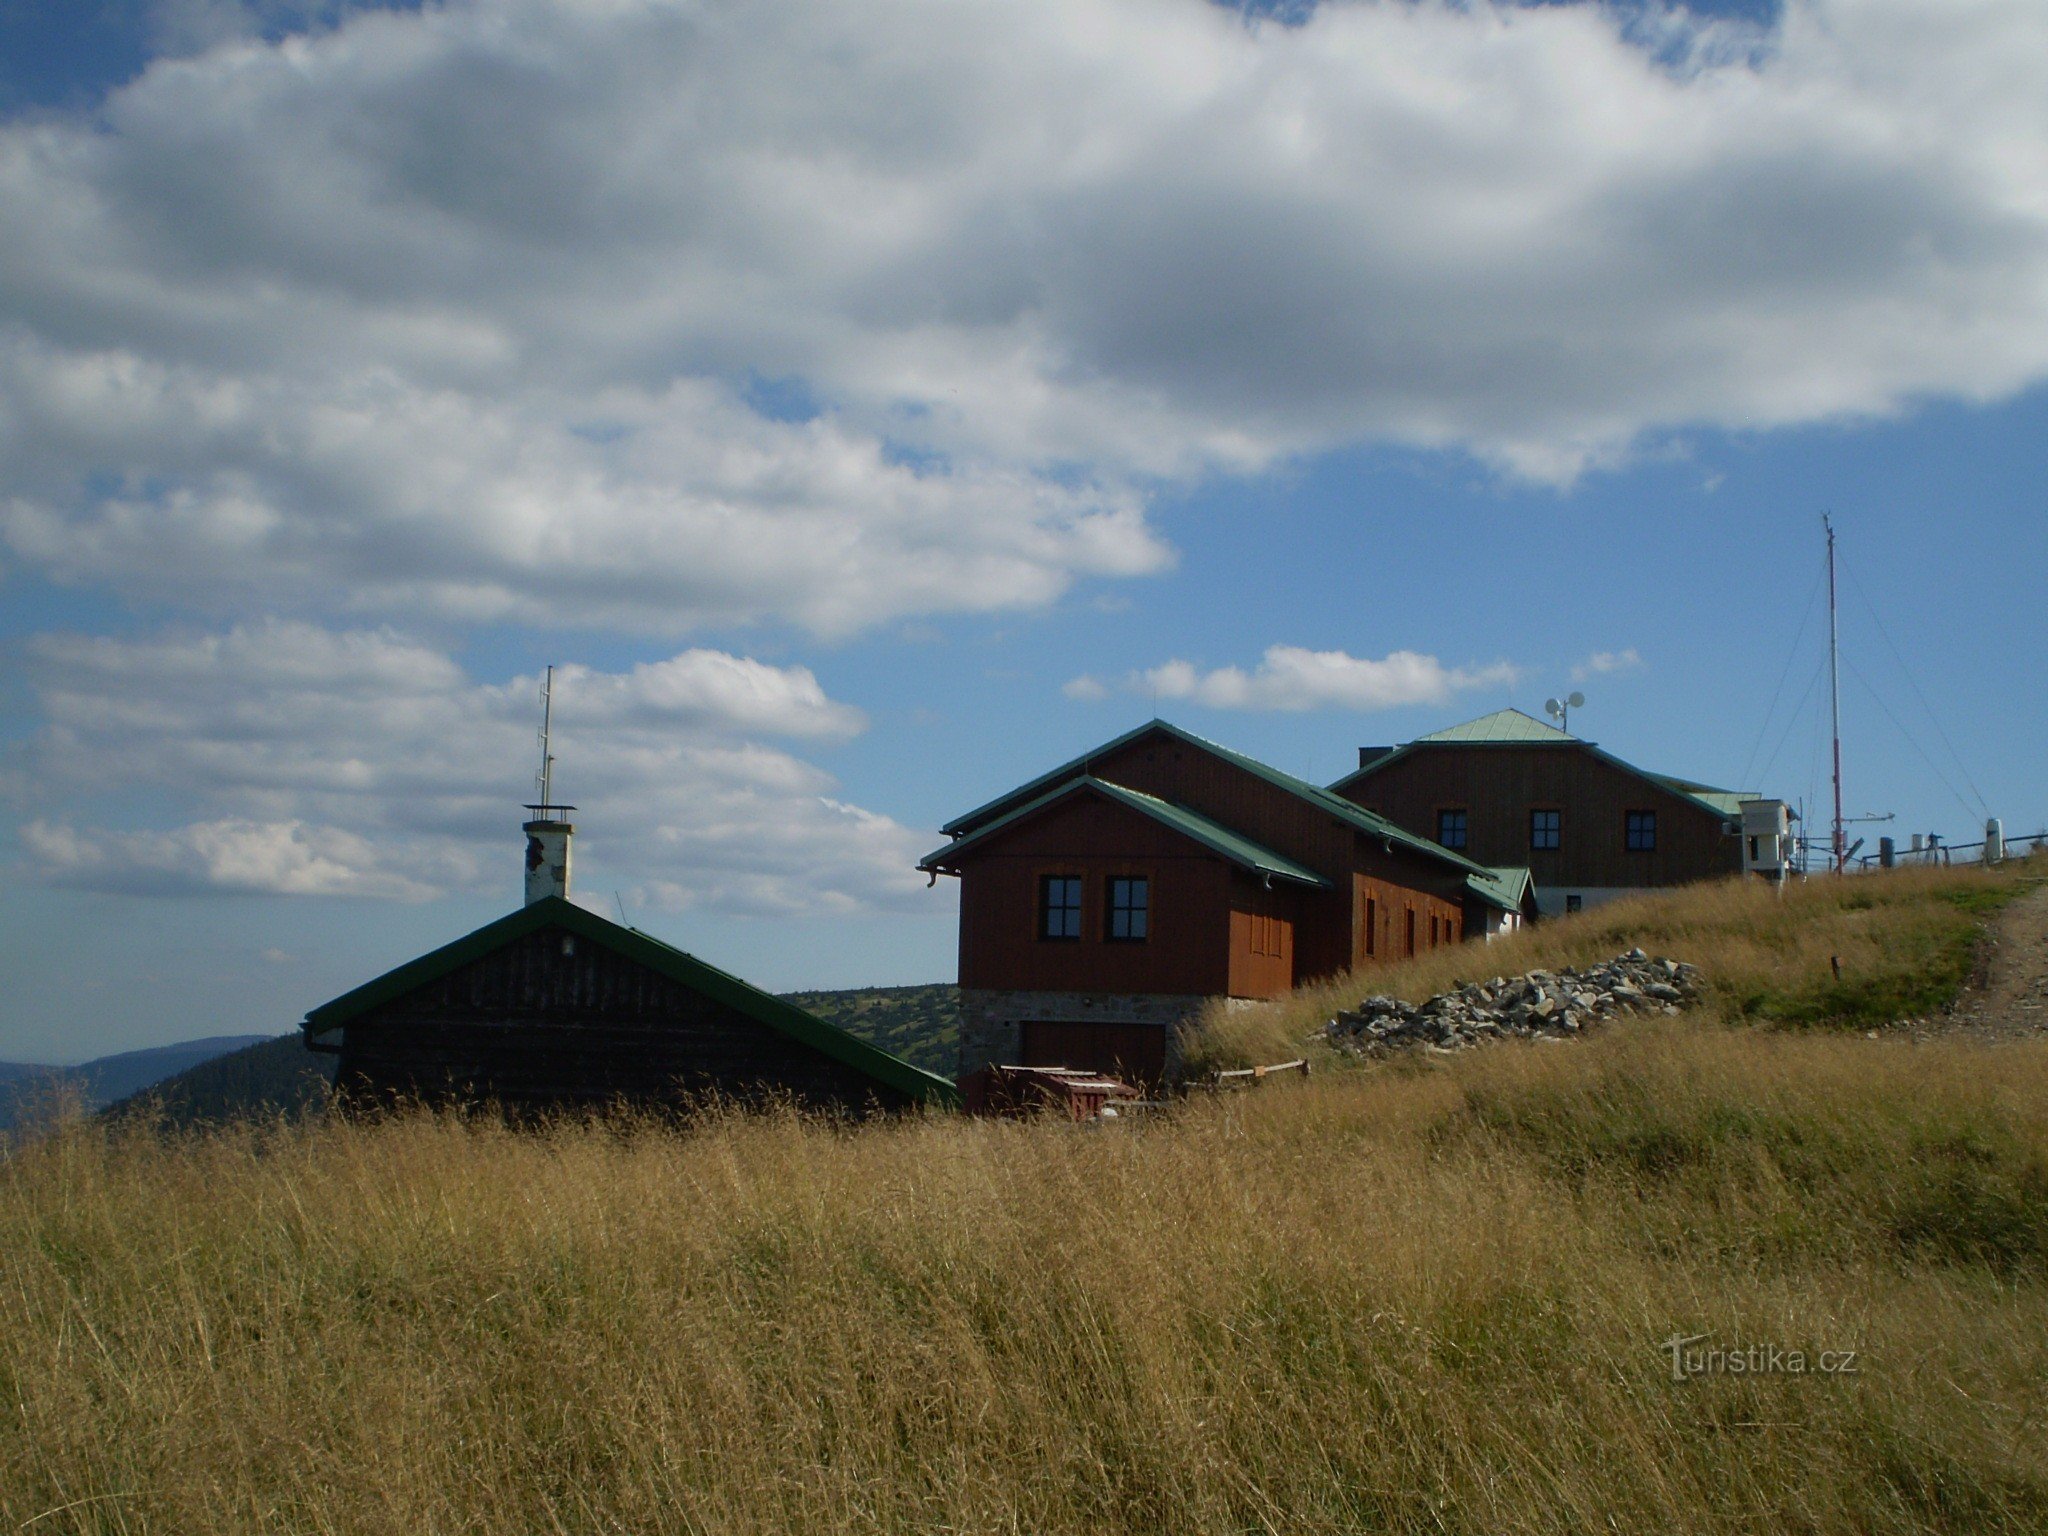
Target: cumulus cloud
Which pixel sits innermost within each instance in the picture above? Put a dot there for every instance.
(1289, 677)
(1605, 663)
(311, 761)
(1086, 688)
(665, 316)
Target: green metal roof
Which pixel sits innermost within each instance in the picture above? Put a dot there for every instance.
(643, 949)
(1335, 805)
(1727, 801)
(1505, 887)
(1501, 725)
(1212, 835)
(1510, 727)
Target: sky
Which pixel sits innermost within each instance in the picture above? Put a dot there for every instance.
(865, 409)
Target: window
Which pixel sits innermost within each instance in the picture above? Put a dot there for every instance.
(1411, 929)
(1450, 828)
(1372, 925)
(1432, 930)
(1543, 828)
(1129, 907)
(1574, 902)
(1059, 907)
(1642, 831)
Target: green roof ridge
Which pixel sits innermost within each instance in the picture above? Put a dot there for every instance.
(1336, 805)
(678, 965)
(1699, 794)
(1211, 834)
(1501, 725)
(1502, 886)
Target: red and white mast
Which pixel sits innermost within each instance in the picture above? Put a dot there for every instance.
(1835, 692)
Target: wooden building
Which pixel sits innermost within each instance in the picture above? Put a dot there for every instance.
(555, 1007)
(1508, 789)
(1103, 902)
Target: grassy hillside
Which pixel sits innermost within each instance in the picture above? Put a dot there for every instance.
(920, 1024)
(1429, 1297)
(1904, 942)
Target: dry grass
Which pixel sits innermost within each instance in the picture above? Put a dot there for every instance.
(1413, 1300)
(1905, 941)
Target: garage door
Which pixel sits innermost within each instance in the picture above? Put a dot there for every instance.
(1134, 1052)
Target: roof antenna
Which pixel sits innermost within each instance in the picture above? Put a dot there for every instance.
(548, 830)
(545, 779)
(1560, 710)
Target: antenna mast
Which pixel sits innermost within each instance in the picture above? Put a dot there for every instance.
(1838, 855)
(546, 778)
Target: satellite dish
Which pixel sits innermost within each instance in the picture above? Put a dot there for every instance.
(1552, 707)
(1576, 700)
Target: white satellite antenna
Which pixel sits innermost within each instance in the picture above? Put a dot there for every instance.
(1560, 710)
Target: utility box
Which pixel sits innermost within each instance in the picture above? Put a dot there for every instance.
(1767, 838)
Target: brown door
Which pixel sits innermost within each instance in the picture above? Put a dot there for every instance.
(1133, 1052)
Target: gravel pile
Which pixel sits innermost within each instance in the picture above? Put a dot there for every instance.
(1539, 1004)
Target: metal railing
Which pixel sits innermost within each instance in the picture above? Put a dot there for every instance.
(1945, 854)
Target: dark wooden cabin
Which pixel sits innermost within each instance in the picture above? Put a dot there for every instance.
(557, 1008)
(1104, 902)
(1508, 789)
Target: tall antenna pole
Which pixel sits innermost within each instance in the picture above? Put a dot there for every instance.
(1835, 689)
(547, 758)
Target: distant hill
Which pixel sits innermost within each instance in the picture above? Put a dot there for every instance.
(268, 1076)
(920, 1024)
(100, 1082)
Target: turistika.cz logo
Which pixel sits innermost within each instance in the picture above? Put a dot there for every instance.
(1691, 1355)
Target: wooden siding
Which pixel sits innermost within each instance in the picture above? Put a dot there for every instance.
(1387, 907)
(1499, 786)
(1262, 924)
(554, 1021)
(1186, 948)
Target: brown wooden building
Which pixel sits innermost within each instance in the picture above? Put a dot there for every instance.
(555, 1007)
(1103, 902)
(1510, 789)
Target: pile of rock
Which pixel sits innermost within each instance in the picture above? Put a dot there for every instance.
(1540, 1004)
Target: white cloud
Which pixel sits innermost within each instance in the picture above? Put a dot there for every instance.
(1606, 663)
(290, 759)
(1291, 678)
(270, 858)
(665, 316)
(1088, 690)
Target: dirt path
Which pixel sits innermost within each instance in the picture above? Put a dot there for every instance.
(2009, 1001)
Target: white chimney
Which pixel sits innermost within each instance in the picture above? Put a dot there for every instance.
(547, 854)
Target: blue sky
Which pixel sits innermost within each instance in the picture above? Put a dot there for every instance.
(866, 427)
